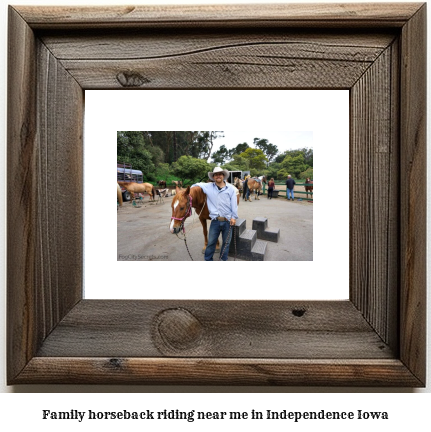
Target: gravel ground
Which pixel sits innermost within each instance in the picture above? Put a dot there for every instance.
(143, 231)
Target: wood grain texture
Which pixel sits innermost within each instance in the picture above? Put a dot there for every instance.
(374, 195)
(413, 194)
(59, 220)
(197, 371)
(45, 106)
(267, 15)
(21, 154)
(204, 60)
(235, 329)
(376, 338)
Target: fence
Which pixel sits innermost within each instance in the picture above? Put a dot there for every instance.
(294, 190)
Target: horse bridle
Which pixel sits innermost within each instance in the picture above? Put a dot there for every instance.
(186, 215)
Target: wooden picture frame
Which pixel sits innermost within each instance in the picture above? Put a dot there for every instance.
(376, 338)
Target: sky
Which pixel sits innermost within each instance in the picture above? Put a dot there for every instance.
(284, 140)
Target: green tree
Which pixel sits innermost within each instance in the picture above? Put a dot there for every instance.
(255, 158)
(131, 149)
(308, 173)
(190, 169)
(294, 165)
(269, 149)
(221, 155)
(305, 152)
(272, 171)
(242, 163)
(282, 174)
(240, 148)
(206, 142)
(280, 157)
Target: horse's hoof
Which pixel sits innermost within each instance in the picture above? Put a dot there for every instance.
(217, 250)
(203, 249)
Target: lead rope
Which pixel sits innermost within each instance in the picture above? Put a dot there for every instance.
(183, 227)
(185, 238)
(185, 242)
(227, 239)
(189, 209)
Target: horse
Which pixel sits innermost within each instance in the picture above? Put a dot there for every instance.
(162, 184)
(255, 186)
(238, 183)
(119, 195)
(139, 188)
(182, 204)
(238, 195)
(309, 186)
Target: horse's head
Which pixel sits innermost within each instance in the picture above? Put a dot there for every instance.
(181, 209)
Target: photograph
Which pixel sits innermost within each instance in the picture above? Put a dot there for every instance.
(226, 195)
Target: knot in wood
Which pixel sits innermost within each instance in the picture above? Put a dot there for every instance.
(298, 312)
(178, 329)
(131, 79)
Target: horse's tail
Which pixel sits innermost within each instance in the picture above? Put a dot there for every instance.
(119, 195)
(153, 191)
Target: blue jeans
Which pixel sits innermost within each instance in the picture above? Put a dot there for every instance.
(216, 228)
(289, 192)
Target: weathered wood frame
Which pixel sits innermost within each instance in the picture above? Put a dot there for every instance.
(376, 338)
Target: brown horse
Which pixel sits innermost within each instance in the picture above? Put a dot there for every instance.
(182, 204)
(162, 183)
(309, 186)
(119, 195)
(255, 186)
(139, 188)
(238, 195)
(238, 183)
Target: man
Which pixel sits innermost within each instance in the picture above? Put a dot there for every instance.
(245, 190)
(223, 209)
(290, 184)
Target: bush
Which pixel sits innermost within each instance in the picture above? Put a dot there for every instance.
(307, 174)
(190, 169)
(151, 177)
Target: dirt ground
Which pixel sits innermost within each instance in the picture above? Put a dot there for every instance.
(143, 231)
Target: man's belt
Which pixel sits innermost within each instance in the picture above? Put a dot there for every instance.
(221, 219)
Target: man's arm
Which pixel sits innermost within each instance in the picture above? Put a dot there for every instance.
(234, 206)
(203, 186)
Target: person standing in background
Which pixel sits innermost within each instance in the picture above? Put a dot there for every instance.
(290, 184)
(271, 185)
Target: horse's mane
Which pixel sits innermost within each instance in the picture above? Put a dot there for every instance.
(196, 192)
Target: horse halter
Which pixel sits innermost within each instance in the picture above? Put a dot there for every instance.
(187, 214)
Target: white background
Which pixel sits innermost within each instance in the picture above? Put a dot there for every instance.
(24, 410)
(326, 113)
